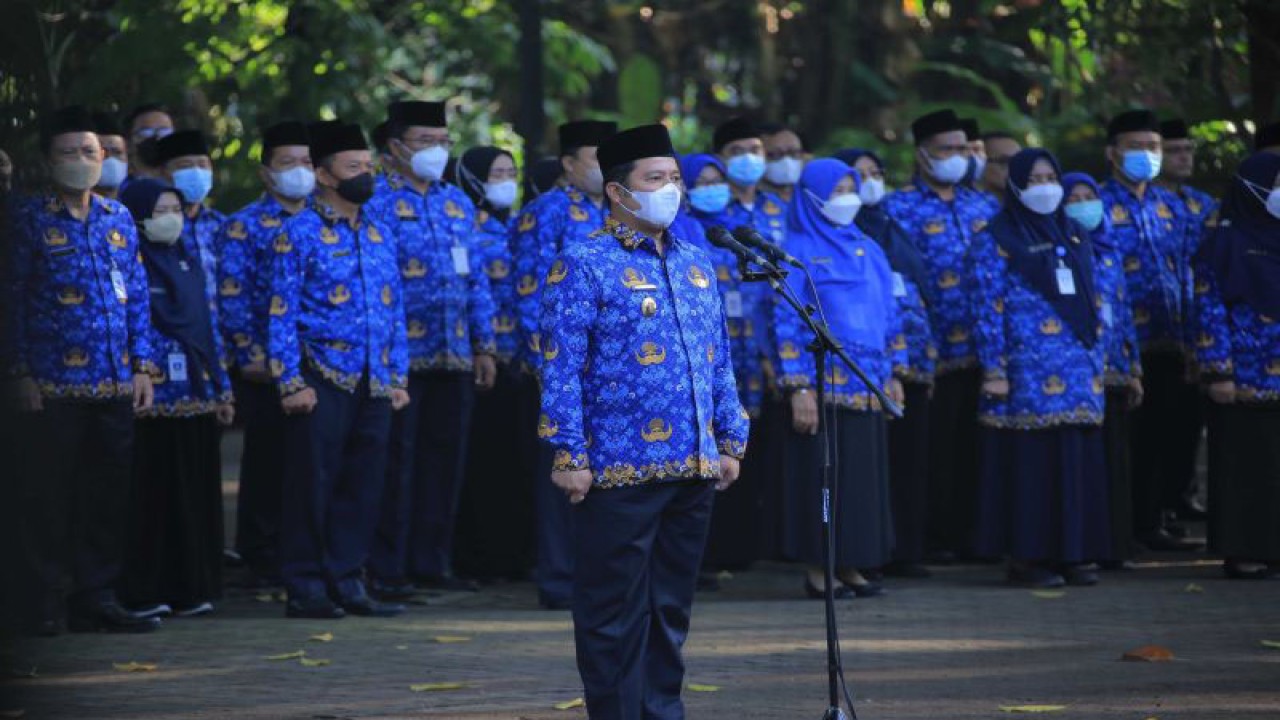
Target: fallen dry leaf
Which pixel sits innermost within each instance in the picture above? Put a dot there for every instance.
(288, 656)
(571, 704)
(691, 687)
(308, 662)
(1048, 594)
(264, 597)
(450, 639)
(322, 637)
(1273, 644)
(132, 666)
(1193, 588)
(1149, 653)
(1032, 708)
(437, 687)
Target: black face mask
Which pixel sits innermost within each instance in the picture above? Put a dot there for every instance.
(357, 189)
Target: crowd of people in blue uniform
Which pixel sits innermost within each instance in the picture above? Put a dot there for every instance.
(432, 376)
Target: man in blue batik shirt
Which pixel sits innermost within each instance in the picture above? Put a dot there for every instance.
(76, 344)
(336, 348)
(641, 409)
(188, 167)
(244, 250)
(452, 352)
(1149, 229)
(942, 215)
(561, 218)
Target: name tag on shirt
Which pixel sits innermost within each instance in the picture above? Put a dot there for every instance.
(1066, 281)
(461, 261)
(899, 285)
(733, 304)
(117, 284)
(1106, 314)
(177, 367)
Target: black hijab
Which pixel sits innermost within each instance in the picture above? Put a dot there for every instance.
(179, 306)
(473, 172)
(872, 220)
(1035, 244)
(1243, 253)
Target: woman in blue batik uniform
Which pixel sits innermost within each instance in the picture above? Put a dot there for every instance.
(1123, 375)
(174, 561)
(855, 287)
(1043, 494)
(909, 435)
(492, 538)
(1238, 350)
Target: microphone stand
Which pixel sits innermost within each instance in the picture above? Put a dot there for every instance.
(823, 343)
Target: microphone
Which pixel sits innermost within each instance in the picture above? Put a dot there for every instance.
(721, 238)
(750, 237)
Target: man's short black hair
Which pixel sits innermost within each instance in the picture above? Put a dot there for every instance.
(143, 109)
(617, 174)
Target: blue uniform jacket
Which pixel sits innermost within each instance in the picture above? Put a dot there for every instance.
(336, 304)
(555, 222)
(636, 380)
(494, 255)
(1054, 378)
(1236, 343)
(1119, 335)
(244, 247)
(76, 300)
(200, 235)
(448, 309)
(1151, 234)
(942, 231)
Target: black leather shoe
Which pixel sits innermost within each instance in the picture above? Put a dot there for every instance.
(1036, 578)
(448, 583)
(1244, 570)
(366, 606)
(1080, 575)
(1119, 565)
(110, 617)
(866, 589)
(393, 592)
(840, 591)
(313, 608)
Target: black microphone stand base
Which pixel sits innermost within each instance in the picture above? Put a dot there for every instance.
(835, 713)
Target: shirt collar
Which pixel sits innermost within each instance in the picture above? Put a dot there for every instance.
(631, 238)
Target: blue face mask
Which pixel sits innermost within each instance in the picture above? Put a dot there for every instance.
(193, 183)
(746, 169)
(1086, 212)
(1141, 165)
(710, 198)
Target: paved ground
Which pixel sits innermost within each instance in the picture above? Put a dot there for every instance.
(960, 645)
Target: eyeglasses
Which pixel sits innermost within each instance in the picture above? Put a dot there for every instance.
(147, 133)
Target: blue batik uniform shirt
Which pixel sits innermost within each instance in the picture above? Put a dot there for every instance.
(494, 255)
(76, 300)
(336, 306)
(200, 236)
(556, 221)
(942, 231)
(448, 309)
(637, 382)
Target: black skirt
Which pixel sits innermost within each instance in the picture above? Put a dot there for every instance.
(495, 515)
(1244, 482)
(1116, 438)
(862, 518)
(1044, 495)
(174, 547)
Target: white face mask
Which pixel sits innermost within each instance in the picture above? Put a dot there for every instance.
(163, 229)
(659, 207)
(949, 171)
(872, 191)
(1269, 197)
(114, 171)
(785, 171)
(429, 163)
(295, 183)
(1042, 199)
(841, 209)
(79, 175)
(501, 195)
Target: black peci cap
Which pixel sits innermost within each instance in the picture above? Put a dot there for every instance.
(289, 132)
(405, 113)
(1132, 121)
(935, 123)
(645, 141)
(107, 124)
(1267, 136)
(334, 137)
(1175, 129)
(180, 144)
(972, 132)
(585, 133)
(739, 128)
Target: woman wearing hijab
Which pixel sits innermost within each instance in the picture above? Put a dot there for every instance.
(909, 435)
(1123, 374)
(493, 540)
(174, 563)
(1238, 350)
(735, 520)
(854, 286)
(1043, 494)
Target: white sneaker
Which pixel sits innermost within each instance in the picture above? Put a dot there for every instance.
(159, 610)
(204, 608)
